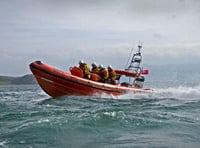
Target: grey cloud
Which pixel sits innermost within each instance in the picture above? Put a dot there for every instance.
(53, 30)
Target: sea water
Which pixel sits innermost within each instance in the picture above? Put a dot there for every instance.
(168, 117)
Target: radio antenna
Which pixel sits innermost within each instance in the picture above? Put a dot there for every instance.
(126, 66)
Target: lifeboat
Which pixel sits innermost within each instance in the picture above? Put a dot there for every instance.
(57, 83)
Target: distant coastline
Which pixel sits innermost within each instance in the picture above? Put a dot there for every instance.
(183, 73)
(26, 79)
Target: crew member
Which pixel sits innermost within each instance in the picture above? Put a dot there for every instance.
(112, 75)
(95, 69)
(103, 73)
(85, 68)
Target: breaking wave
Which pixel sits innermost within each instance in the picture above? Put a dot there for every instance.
(180, 92)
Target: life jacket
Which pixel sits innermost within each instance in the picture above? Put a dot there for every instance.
(95, 70)
(112, 74)
(86, 70)
(104, 73)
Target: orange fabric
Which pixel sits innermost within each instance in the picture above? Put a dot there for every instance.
(76, 71)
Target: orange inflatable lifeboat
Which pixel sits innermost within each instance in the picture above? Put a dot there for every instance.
(57, 83)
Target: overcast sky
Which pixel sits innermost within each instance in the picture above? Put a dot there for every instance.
(62, 32)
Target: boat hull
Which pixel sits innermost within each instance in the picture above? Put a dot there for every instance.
(59, 83)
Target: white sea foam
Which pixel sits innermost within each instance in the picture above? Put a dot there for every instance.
(43, 120)
(112, 114)
(180, 92)
(103, 95)
(2, 144)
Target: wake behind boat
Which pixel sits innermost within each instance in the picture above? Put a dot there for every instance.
(57, 83)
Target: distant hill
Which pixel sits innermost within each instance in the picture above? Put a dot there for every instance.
(26, 79)
(5, 80)
(184, 73)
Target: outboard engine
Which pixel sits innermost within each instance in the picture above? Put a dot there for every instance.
(139, 81)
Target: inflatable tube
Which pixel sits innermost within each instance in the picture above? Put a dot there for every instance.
(127, 73)
(76, 71)
(95, 77)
